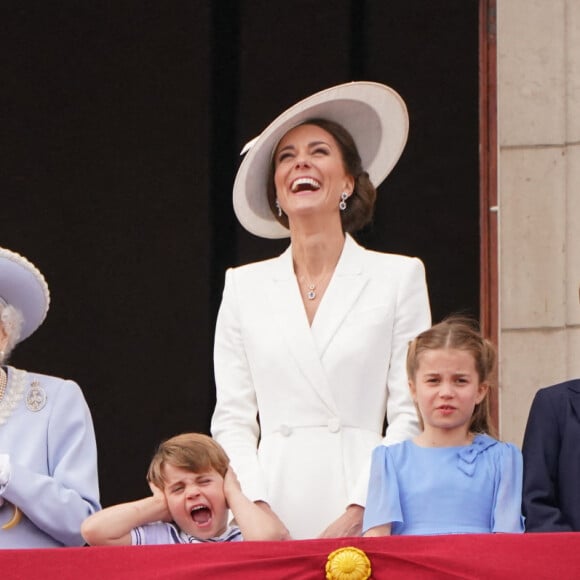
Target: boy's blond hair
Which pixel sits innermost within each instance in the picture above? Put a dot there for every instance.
(194, 452)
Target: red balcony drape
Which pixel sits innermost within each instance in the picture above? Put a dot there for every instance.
(502, 556)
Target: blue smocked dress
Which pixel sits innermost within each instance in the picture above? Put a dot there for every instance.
(470, 489)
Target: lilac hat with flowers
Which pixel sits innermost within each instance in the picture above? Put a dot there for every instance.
(23, 286)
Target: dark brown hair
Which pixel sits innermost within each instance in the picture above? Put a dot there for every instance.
(361, 204)
(194, 452)
(461, 333)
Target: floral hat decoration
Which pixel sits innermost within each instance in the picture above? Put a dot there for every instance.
(23, 286)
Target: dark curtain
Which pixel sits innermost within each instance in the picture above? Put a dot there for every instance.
(121, 127)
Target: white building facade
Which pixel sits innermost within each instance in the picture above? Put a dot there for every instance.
(538, 127)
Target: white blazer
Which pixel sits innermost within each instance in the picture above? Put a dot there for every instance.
(300, 408)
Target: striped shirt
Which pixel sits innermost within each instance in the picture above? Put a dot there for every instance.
(168, 533)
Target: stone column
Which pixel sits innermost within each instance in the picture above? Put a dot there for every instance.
(538, 45)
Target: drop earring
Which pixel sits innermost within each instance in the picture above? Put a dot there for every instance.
(343, 197)
(278, 208)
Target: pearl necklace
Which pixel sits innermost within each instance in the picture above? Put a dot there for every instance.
(3, 382)
(11, 392)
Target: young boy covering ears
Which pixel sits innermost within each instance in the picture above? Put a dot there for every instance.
(193, 488)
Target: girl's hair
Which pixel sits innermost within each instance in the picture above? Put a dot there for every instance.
(11, 320)
(194, 452)
(461, 333)
(361, 204)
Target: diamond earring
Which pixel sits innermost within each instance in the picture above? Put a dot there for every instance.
(343, 197)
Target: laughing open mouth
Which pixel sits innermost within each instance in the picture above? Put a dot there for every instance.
(201, 515)
(305, 184)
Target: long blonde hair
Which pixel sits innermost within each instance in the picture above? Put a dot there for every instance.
(460, 333)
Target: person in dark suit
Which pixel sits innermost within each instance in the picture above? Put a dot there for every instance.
(551, 450)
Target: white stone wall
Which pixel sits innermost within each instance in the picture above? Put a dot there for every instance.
(538, 47)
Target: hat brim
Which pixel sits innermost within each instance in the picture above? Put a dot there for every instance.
(24, 287)
(374, 114)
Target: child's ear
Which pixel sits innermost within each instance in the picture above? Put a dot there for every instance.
(481, 392)
(413, 390)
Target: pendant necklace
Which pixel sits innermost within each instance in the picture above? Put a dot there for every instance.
(311, 292)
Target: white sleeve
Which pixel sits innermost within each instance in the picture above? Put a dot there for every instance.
(235, 419)
(4, 470)
(4, 474)
(412, 316)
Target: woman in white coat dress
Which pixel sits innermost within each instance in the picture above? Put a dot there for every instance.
(48, 455)
(310, 347)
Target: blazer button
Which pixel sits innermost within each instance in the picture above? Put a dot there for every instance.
(285, 430)
(334, 425)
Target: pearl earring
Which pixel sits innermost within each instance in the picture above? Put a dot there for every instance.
(343, 197)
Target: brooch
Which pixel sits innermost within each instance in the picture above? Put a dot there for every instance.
(35, 397)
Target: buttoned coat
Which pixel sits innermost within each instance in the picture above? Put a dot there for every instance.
(48, 433)
(551, 450)
(300, 408)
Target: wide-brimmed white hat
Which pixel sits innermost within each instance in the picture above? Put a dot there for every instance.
(374, 114)
(23, 286)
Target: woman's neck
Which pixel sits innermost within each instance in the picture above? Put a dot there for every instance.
(315, 255)
(314, 258)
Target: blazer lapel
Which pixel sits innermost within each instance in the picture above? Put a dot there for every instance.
(288, 311)
(342, 293)
(574, 388)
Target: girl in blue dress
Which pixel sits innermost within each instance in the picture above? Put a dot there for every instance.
(453, 478)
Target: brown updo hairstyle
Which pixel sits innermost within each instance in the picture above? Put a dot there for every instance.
(360, 205)
(460, 333)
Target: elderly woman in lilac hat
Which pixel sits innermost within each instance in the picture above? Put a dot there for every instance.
(48, 455)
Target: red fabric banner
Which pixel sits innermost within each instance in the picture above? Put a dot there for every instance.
(489, 556)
